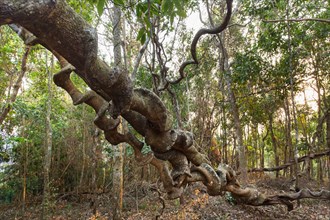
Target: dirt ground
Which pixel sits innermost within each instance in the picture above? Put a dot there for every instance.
(142, 201)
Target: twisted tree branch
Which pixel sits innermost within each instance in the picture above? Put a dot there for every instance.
(201, 32)
(74, 43)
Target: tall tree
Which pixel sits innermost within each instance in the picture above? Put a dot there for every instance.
(48, 142)
(118, 172)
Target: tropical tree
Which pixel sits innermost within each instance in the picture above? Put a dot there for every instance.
(57, 27)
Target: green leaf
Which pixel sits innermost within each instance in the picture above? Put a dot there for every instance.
(119, 2)
(142, 35)
(166, 6)
(19, 139)
(180, 8)
(139, 10)
(100, 7)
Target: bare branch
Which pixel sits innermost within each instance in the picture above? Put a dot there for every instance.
(298, 20)
(138, 59)
(200, 33)
(284, 166)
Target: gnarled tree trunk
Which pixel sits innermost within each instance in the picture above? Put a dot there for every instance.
(74, 42)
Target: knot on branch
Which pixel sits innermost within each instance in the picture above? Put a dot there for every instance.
(183, 139)
(149, 105)
(160, 142)
(248, 195)
(212, 181)
(121, 94)
(227, 173)
(179, 163)
(62, 78)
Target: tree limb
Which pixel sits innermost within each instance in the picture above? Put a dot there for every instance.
(297, 20)
(201, 32)
(16, 87)
(290, 163)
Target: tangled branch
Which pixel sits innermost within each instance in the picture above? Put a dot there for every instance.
(201, 32)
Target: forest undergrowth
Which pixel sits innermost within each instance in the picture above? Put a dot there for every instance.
(142, 201)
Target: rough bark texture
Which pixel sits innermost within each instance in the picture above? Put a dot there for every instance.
(64, 31)
(74, 43)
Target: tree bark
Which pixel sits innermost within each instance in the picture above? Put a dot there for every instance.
(60, 29)
(327, 122)
(288, 138)
(25, 153)
(83, 151)
(16, 86)
(235, 112)
(118, 167)
(276, 157)
(295, 123)
(48, 144)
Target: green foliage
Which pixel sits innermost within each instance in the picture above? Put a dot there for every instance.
(143, 78)
(85, 8)
(100, 6)
(248, 67)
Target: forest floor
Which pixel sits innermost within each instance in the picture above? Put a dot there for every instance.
(143, 202)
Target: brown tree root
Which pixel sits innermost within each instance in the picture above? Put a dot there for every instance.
(248, 196)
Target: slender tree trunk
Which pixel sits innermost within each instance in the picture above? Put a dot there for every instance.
(288, 139)
(25, 151)
(176, 107)
(118, 180)
(48, 147)
(276, 157)
(224, 139)
(319, 133)
(95, 158)
(238, 128)
(224, 66)
(12, 96)
(327, 140)
(308, 162)
(24, 179)
(327, 122)
(295, 150)
(118, 173)
(262, 154)
(84, 140)
(188, 105)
